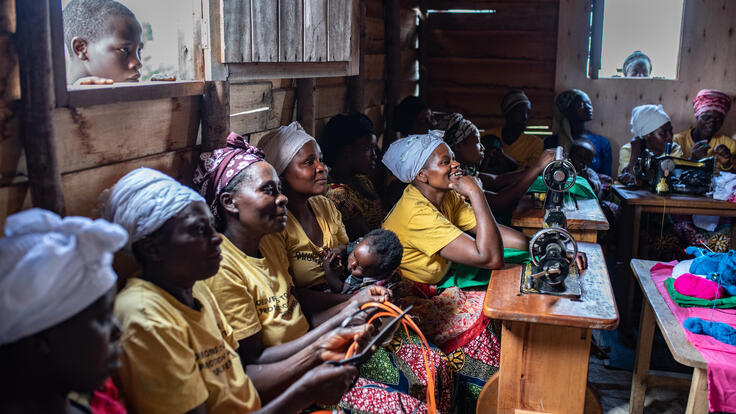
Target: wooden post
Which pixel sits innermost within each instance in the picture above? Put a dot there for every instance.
(392, 36)
(356, 84)
(215, 113)
(37, 104)
(305, 97)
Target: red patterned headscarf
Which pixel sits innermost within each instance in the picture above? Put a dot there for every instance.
(217, 168)
(711, 100)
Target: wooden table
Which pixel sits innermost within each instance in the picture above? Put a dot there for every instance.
(655, 308)
(635, 202)
(584, 218)
(545, 341)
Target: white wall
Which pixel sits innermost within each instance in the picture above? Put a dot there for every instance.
(707, 60)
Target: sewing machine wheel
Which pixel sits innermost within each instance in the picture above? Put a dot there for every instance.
(557, 175)
(560, 238)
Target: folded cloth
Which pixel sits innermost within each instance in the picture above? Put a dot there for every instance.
(581, 188)
(692, 302)
(695, 286)
(718, 330)
(464, 276)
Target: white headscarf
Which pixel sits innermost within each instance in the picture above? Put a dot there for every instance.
(143, 201)
(282, 144)
(52, 268)
(406, 156)
(645, 119)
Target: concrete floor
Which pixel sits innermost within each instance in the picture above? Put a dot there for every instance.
(614, 387)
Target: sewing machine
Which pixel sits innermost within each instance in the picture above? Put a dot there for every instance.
(553, 249)
(666, 174)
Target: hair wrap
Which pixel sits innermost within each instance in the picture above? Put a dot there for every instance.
(406, 156)
(711, 100)
(217, 168)
(143, 200)
(459, 129)
(646, 119)
(513, 98)
(281, 145)
(52, 268)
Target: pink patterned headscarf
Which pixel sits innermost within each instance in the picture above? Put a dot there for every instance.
(217, 168)
(711, 100)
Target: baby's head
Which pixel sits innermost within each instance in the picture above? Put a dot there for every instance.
(582, 152)
(103, 38)
(377, 256)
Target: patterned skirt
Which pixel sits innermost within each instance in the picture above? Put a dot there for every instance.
(466, 355)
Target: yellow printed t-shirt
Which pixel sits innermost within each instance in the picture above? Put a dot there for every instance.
(686, 142)
(175, 358)
(525, 150)
(624, 155)
(304, 256)
(424, 231)
(255, 294)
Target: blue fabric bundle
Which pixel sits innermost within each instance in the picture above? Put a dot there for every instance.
(720, 331)
(720, 267)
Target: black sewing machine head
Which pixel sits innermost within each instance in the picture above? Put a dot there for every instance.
(553, 249)
(666, 174)
(559, 177)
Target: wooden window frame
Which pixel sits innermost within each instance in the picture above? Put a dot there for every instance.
(107, 94)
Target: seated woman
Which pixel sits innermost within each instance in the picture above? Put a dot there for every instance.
(572, 110)
(516, 109)
(58, 333)
(254, 286)
(503, 191)
(313, 224)
(652, 130)
(436, 227)
(349, 145)
(710, 107)
(178, 348)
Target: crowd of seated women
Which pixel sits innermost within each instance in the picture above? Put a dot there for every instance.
(247, 286)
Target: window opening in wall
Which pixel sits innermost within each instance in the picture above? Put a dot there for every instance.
(538, 130)
(638, 39)
(252, 111)
(165, 27)
(462, 11)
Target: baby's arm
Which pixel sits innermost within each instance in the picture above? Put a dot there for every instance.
(332, 263)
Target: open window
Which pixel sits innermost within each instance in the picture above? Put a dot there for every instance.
(635, 39)
(187, 42)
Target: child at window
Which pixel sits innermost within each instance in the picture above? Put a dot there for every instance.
(103, 39)
(374, 260)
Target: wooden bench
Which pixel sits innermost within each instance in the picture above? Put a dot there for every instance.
(655, 308)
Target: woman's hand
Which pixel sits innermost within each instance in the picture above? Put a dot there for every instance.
(333, 345)
(723, 156)
(700, 150)
(373, 293)
(465, 186)
(326, 384)
(626, 178)
(545, 158)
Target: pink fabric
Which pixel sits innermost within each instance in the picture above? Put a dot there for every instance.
(690, 285)
(721, 358)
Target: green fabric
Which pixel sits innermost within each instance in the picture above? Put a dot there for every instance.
(581, 188)
(689, 301)
(464, 276)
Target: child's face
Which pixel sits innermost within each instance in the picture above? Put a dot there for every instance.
(362, 263)
(581, 157)
(116, 55)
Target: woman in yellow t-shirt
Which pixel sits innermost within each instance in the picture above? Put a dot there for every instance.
(710, 107)
(254, 287)
(179, 353)
(313, 225)
(436, 226)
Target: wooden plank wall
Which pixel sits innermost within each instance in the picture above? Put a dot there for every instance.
(279, 95)
(707, 60)
(99, 144)
(469, 61)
